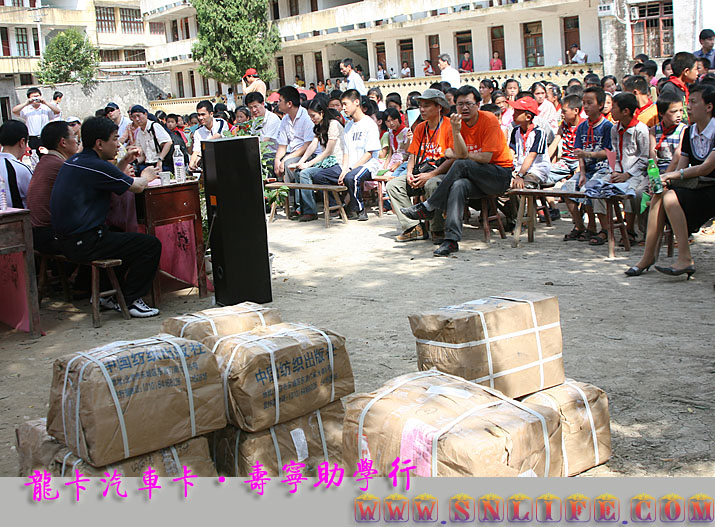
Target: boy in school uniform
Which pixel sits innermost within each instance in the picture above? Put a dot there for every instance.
(532, 166)
(666, 137)
(567, 164)
(685, 72)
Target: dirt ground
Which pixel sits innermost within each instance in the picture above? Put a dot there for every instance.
(647, 341)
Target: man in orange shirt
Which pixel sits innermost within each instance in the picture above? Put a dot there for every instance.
(426, 165)
(483, 167)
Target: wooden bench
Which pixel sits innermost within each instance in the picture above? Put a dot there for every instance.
(108, 265)
(381, 182)
(325, 189)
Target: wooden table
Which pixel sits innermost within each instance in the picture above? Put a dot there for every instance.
(16, 237)
(174, 203)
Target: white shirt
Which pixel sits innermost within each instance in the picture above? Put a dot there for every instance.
(22, 173)
(268, 130)
(37, 118)
(450, 75)
(535, 142)
(579, 57)
(123, 125)
(361, 137)
(202, 133)
(702, 143)
(355, 83)
(405, 72)
(381, 75)
(294, 133)
(145, 140)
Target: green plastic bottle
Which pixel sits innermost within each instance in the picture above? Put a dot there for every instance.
(654, 176)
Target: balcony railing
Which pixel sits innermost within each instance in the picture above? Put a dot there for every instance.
(182, 106)
(10, 65)
(154, 10)
(170, 52)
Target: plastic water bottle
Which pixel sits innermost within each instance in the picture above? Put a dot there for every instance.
(179, 168)
(654, 176)
(3, 199)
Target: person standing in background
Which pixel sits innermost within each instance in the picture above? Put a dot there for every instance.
(36, 112)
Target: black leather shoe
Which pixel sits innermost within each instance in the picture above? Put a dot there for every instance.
(448, 247)
(671, 271)
(418, 212)
(636, 271)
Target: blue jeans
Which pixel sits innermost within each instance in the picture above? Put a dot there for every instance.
(400, 170)
(318, 176)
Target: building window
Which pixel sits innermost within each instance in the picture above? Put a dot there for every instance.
(174, 30)
(156, 28)
(533, 44)
(407, 55)
(109, 55)
(652, 29)
(23, 48)
(36, 41)
(381, 56)
(106, 22)
(17, 3)
(299, 69)
(464, 42)
(281, 71)
(25, 79)
(293, 4)
(205, 85)
(5, 41)
(275, 9)
(571, 35)
(180, 84)
(185, 27)
(135, 55)
(131, 20)
(497, 35)
(192, 83)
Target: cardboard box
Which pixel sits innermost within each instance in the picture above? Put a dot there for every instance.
(131, 398)
(511, 342)
(585, 423)
(311, 440)
(35, 447)
(450, 427)
(221, 321)
(276, 373)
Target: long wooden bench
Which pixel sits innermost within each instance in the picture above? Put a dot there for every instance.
(108, 265)
(325, 189)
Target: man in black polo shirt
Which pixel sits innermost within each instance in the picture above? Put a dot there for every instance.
(79, 207)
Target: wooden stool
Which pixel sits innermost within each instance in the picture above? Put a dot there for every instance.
(45, 259)
(615, 220)
(325, 189)
(527, 207)
(544, 203)
(490, 202)
(381, 182)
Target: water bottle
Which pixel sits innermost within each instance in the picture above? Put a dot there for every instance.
(3, 199)
(179, 168)
(654, 176)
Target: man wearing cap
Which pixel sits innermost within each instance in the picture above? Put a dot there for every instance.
(482, 168)
(111, 110)
(154, 141)
(75, 124)
(529, 143)
(79, 206)
(251, 83)
(61, 143)
(425, 166)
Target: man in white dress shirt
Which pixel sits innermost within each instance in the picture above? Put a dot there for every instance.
(449, 74)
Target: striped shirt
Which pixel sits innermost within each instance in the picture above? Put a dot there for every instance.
(568, 138)
(666, 147)
(533, 141)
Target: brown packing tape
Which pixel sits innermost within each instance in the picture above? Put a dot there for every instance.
(494, 341)
(276, 373)
(131, 398)
(405, 420)
(167, 462)
(221, 321)
(35, 447)
(580, 423)
(301, 440)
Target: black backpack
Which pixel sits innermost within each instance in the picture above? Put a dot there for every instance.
(168, 163)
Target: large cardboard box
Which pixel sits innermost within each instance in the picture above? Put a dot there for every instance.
(585, 423)
(221, 321)
(311, 440)
(131, 398)
(511, 342)
(276, 373)
(37, 450)
(450, 427)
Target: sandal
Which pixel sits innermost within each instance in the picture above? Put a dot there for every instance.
(586, 236)
(575, 234)
(598, 239)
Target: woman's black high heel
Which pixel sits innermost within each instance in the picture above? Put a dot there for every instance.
(670, 271)
(637, 271)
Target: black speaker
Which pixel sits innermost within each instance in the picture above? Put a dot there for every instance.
(235, 204)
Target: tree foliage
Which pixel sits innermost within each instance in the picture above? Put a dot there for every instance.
(235, 35)
(69, 57)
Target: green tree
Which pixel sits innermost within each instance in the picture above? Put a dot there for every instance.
(69, 57)
(235, 35)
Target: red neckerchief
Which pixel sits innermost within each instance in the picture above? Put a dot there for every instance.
(680, 84)
(393, 137)
(621, 133)
(591, 127)
(525, 136)
(572, 129)
(666, 133)
(643, 109)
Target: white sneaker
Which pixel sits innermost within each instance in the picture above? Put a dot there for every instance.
(139, 309)
(108, 304)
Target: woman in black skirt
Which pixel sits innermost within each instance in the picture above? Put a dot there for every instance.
(688, 202)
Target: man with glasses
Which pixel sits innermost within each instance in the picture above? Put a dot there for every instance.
(112, 112)
(61, 143)
(482, 168)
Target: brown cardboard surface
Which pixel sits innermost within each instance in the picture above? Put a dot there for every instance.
(35, 447)
(579, 423)
(496, 438)
(152, 393)
(300, 440)
(296, 357)
(221, 321)
(452, 340)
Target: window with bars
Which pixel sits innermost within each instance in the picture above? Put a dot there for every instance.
(135, 55)
(17, 3)
(180, 84)
(109, 55)
(23, 47)
(205, 85)
(131, 20)
(652, 29)
(106, 23)
(156, 28)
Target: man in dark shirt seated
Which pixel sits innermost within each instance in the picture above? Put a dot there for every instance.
(79, 207)
(61, 143)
